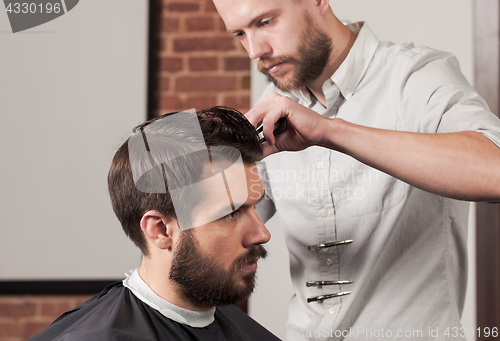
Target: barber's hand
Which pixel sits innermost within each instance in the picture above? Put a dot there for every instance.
(305, 127)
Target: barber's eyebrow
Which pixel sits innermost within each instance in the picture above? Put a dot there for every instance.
(255, 20)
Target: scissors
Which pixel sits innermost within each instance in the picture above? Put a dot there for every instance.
(281, 128)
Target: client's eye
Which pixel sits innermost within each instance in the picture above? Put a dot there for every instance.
(231, 215)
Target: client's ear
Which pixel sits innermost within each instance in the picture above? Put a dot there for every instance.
(159, 231)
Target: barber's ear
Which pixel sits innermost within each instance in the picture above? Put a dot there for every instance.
(159, 230)
(322, 5)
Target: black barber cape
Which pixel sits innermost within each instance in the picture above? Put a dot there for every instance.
(117, 314)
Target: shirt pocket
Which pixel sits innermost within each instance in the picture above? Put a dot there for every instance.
(374, 191)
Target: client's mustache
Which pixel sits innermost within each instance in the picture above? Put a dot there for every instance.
(249, 257)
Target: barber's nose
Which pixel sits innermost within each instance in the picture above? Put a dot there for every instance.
(257, 232)
(257, 47)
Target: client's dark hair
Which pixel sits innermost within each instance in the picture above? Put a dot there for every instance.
(220, 126)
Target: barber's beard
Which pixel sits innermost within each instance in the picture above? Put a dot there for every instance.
(313, 54)
(204, 283)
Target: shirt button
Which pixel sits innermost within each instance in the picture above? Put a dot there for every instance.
(329, 261)
(332, 310)
(320, 165)
(348, 91)
(323, 212)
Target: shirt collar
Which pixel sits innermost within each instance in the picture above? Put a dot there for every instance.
(195, 319)
(352, 69)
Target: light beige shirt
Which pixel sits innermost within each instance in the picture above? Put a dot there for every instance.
(408, 258)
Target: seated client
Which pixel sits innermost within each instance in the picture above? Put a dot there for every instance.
(184, 187)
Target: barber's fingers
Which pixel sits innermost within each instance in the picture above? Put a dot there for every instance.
(267, 113)
(304, 126)
(270, 123)
(257, 113)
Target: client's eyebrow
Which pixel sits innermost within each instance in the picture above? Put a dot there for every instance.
(232, 208)
(245, 205)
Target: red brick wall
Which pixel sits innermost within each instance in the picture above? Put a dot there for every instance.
(23, 316)
(200, 63)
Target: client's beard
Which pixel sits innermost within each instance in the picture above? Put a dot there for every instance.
(203, 282)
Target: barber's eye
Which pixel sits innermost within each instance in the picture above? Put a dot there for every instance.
(239, 34)
(266, 22)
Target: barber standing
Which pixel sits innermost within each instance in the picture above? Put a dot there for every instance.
(385, 140)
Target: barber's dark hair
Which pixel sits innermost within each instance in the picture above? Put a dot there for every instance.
(220, 126)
